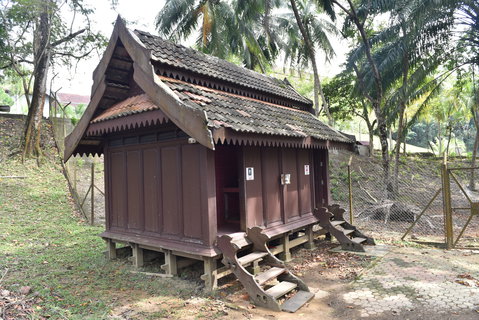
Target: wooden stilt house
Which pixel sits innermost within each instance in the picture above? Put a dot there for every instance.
(204, 159)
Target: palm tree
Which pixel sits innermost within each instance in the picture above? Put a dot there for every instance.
(225, 28)
(386, 60)
(315, 33)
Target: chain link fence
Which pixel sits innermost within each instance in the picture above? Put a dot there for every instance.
(84, 173)
(387, 215)
(464, 190)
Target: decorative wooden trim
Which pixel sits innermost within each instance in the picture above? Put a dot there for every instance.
(72, 140)
(144, 119)
(229, 136)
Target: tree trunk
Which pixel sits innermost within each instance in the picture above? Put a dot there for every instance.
(402, 110)
(371, 143)
(439, 138)
(31, 146)
(383, 138)
(449, 126)
(472, 182)
(378, 99)
(370, 130)
(318, 90)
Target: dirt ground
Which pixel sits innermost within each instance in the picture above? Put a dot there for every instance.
(327, 274)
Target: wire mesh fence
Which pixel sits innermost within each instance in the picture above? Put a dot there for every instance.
(84, 174)
(464, 190)
(386, 212)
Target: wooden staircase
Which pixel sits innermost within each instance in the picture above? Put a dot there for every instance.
(275, 287)
(331, 219)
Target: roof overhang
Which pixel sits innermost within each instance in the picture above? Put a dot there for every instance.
(190, 120)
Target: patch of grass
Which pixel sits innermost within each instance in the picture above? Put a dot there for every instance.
(46, 246)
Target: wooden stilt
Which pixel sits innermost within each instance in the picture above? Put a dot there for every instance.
(286, 254)
(111, 249)
(256, 267)
(210, 274)
(170, 266)
(138, 260)
(310, 234)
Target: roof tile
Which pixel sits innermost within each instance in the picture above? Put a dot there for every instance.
(228, 110)
(200, 63)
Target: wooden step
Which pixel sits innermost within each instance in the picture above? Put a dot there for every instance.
(269, 275)
(297, 301)
(281, 289)
(240, 240)
(358, 240)
(247, 259)
(348, 231)
(337, 222)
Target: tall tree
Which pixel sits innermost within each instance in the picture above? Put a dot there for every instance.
(346, 102)
(237, 27)
(314, 33)
(468, 16)
(411, 48)
(36, 35)
(374, 60)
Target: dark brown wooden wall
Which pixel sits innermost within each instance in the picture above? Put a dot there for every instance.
(160, 189)
(268, 203)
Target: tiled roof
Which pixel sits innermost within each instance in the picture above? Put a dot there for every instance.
(191, 60)
(132, 105)
(74, 99)
(238, 113)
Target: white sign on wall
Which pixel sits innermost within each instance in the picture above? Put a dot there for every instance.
(249, 173)
(306, 169)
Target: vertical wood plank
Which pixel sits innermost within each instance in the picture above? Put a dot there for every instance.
(304, 182)
(191, 183)
(118, 190)
(208, 196)
(289, 166)
(253, 188)
(150, 189)
(106, 179)
(271, 185)
(169, 182)
(134, 186)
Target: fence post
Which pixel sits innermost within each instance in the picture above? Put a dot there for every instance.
(446, 192)
(350, 191)
(92, 218)
(74, 175)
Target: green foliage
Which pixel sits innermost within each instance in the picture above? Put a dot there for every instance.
(68, 40)
(318, 28)
(5, 99)
(225, 28)
(344, 105)
(74, 112)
